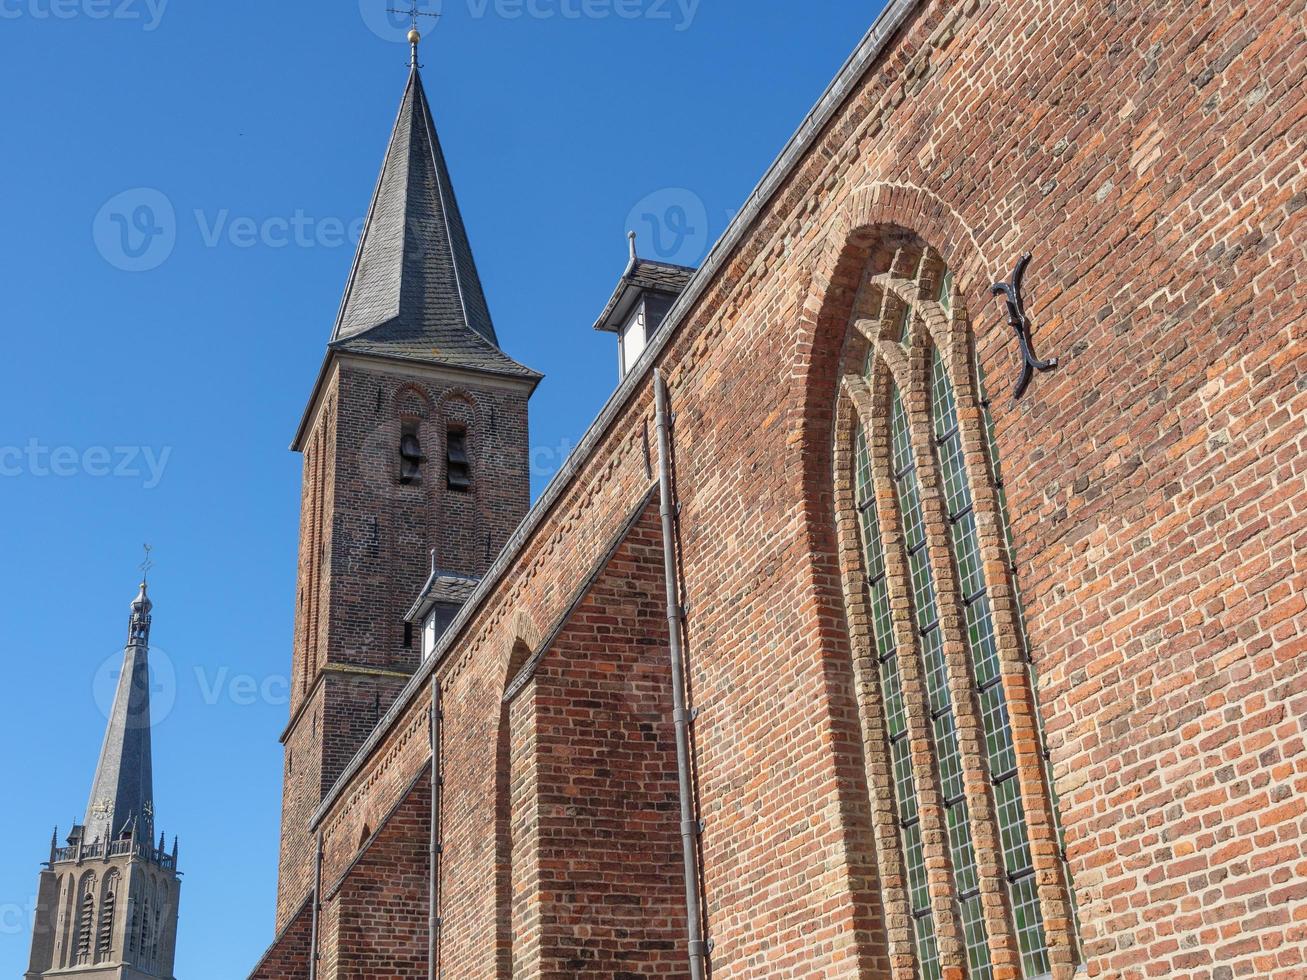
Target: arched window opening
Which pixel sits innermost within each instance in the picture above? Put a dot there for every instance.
(506, 775)
(86, 921)
(458, 467)
(104, 940)
(940, 598)
(411, 457)
(147, 911)
(156, 927)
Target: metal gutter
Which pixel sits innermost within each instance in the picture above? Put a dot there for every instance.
(437, 845)
(868, 50)
(317, 911)
(690, 830)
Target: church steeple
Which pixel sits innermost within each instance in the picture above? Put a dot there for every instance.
(107, 901)
(122, 792)
(414, 292)
(415, 440)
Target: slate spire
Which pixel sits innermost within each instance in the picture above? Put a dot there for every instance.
(122, 793)
(414, 292)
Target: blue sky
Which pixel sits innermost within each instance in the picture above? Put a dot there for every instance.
(150, 393)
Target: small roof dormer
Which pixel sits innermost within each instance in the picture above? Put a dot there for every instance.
(640, 303)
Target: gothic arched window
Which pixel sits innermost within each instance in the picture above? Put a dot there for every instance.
(933, 600)
(108, 905)
(86, 921)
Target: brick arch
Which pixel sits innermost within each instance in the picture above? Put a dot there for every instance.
(412, 400)
(458, 394)
(821, 342)
(522, 642)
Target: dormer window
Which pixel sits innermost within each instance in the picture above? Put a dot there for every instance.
(410, 456)
(434, 626)
(458, 468)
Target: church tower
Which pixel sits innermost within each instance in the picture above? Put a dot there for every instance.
(107, 899)
(415, 466)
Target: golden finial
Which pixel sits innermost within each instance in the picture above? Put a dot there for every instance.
(414, 35)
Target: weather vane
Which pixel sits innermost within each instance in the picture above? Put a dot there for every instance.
(414, 35)
(146, 565)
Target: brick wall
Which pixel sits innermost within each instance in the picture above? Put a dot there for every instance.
(382, 927)
(611, 891)
(365, 550)
(1150, 154)
(288, 959)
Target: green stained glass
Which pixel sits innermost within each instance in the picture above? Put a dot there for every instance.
(896, 722)
(927, 951)
(946, 292)
(964, 540)
(1030, 928)
(943, 730)
(973, 932)
(918, 886)
(901, 753)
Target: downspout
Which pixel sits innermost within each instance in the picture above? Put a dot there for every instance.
(433, 894)
(317, 908)
(690, 829)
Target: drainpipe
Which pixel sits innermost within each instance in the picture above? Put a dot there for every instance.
(433, 921)
(317, 908)
(690, 829)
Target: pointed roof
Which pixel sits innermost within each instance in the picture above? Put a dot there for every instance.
(414, 292)
(122, 793)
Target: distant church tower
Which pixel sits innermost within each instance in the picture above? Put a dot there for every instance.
(107, 901)
(416, 467)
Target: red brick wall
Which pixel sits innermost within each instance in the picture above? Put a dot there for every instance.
(288, 959)
(365, 550)
(382, 925)
(1151, 156)
(612, 895)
